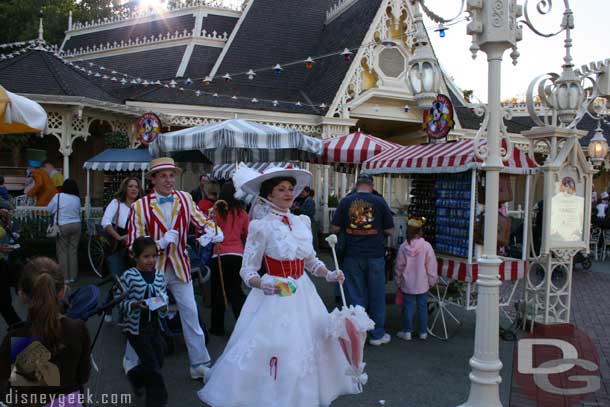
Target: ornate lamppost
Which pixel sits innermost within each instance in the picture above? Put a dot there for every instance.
(563, 102)
(495, 28)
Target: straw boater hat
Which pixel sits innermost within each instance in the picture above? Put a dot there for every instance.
(250, 181)
(162, 163)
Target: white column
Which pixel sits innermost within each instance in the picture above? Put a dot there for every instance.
(343, 184)
(336, 183)
(485, 363)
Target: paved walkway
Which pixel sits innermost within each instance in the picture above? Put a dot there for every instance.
(590, 313)
(430, 373)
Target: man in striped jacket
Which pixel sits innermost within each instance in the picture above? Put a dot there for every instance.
(165, 215)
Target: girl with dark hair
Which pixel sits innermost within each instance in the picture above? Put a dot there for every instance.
(279, 352)
(145, 304)
(226, 260)
(414, 275)
(65, 211)
(64, 341)
(115, 221)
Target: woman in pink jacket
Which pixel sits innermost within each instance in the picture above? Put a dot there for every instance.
(415, 273)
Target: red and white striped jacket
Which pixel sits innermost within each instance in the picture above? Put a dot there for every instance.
(146, 219)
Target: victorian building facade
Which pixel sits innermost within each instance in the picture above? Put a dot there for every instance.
(199, 63)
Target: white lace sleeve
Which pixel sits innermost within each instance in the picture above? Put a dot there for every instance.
(253, 251)
(312, 263)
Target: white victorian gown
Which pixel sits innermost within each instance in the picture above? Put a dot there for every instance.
(279, 354)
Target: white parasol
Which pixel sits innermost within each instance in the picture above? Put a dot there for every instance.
(350, 325)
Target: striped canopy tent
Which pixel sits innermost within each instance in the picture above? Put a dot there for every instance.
(349, 151)
(237, 140)
(118, 159)
(456, 156)
(20, 115)
(225, 171)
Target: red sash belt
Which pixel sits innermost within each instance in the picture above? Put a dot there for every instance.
(284, 268)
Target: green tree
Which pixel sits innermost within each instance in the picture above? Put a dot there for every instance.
(19, 18)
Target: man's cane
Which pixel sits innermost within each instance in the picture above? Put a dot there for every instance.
(222, 281)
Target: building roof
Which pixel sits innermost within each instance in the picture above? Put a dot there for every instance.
(117, 34)
(160, 63)
(298, 31)
(41, 72)
(346, 31)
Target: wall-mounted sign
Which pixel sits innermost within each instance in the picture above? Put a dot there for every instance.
(149, 128)
(567, 209)
(438, 120)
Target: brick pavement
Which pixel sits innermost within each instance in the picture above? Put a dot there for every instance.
(590, 312)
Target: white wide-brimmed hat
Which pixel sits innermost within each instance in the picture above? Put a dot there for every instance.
(250, 181)
(162, 163)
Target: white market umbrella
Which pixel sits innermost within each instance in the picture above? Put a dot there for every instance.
(237, 140)
(19, 114)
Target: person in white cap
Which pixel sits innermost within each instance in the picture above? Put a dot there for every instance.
(165, 215)
(279, 353)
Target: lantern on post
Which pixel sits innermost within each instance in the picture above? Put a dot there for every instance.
(424, 75)
(598, 146)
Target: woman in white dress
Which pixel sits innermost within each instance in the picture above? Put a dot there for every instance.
(279, 353)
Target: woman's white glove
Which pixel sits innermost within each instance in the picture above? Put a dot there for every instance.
(215, 234)
(336, 276)
(171, 236)
(268, 285)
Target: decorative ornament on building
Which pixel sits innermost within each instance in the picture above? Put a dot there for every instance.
(149, 128)
(438, 119)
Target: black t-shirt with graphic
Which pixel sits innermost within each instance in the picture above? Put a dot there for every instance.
(363, 217)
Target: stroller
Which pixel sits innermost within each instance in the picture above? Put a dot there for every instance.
(171, 326)
(86, 302)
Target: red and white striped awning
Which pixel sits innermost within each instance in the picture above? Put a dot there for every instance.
(459, 269)
(441, 158)
(354, 148)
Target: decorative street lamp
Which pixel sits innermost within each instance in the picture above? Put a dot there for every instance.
(424, 75)
(494, 27)
(598, 146)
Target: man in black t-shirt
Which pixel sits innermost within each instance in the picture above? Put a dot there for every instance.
(366, 220)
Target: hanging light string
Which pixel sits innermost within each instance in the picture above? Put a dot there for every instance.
(278, 68)
(105, 73)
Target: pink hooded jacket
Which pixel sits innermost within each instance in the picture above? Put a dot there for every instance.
(416, 267)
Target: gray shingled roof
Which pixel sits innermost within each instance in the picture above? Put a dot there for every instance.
(346, 31)
(297, 31)
(161, 63)
(163, 26)
(201, 62)
(40, 72)
(220, 24)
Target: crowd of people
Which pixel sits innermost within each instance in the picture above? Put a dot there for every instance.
(268, 251)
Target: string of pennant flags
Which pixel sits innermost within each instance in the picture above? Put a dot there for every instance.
(102, 72)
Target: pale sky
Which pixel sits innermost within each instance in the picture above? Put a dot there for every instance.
(591, 42)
